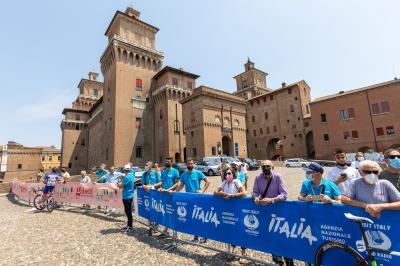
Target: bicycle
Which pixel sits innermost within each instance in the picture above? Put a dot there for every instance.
(39, 205)
(360, 260)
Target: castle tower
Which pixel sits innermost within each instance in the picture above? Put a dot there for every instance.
(128, 65)
(171, 85)
(74, 143)
(251, 82)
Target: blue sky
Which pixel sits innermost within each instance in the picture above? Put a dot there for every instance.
(48, 46)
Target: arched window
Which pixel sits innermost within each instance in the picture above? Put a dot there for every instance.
(177, 126)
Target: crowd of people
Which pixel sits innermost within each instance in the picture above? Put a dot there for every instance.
(363, 184)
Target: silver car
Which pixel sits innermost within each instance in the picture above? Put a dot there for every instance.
(208, 168)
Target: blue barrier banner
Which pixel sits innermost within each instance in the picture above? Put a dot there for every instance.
(161, 208)
(292, 229)
(143, 202)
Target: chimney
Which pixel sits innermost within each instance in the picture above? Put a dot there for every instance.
(283, 84)
(132, 12)
(93, 76)
(341, 92)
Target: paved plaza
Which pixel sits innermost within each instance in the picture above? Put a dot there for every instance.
(69, 236)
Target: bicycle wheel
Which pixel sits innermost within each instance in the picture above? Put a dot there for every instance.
(334, 253)
(37, 202)
(50, 204)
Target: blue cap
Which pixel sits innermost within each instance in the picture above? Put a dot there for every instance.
(314, 167)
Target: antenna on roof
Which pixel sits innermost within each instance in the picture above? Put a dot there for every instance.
(394, 74)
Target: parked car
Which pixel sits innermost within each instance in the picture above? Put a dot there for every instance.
(220, 159)
(208, 168)
(253, 163)
(138, 174)
(296, 162)
(181, 167)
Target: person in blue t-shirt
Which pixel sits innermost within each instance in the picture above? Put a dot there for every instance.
(239, 175)
(169, 176)
(127, 183)
(316, 188)
(101, 171)
(151, 178)
(191, 179)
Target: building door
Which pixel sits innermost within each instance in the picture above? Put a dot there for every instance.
(177, 157)
(275, 149)
(184, 154)
(310, 145)
(226, 146)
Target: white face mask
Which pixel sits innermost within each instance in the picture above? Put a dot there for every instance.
(371, 179)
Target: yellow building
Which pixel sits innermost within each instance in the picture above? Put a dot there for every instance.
(50, 157)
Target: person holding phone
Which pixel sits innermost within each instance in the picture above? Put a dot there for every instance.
(342, 174)
(316, 188)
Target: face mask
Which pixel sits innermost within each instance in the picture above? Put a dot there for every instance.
(360, 159)
(309, 177)
(229, 178)
(190, 168)
(395, 163)
(266, 170)
(168, 165)
(371, 179)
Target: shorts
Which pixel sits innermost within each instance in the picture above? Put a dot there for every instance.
(48, 189)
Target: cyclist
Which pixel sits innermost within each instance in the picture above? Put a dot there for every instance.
(50, 180)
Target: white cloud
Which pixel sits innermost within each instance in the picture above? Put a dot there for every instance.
(48, 107)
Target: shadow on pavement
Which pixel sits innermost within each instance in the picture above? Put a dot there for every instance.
(141, 234)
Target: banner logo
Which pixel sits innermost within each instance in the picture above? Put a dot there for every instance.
(251, 222)
(146, 202)
(158, 206)
(281, 226)
(205, 216)
(182, 212)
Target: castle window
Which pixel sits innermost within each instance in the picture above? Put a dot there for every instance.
(138, 122)
(175, 82)
(161, 114)
(96, 92)
(77, 117)
(139, 85)
(19, 166)
(189, 85)
(138, 152)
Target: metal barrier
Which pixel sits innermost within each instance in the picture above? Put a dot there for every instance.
(176, 241)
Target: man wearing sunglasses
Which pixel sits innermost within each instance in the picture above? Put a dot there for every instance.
(341, 174)
(392, 172)
(370, 193)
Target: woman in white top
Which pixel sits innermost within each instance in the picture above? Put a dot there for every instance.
(231, 187)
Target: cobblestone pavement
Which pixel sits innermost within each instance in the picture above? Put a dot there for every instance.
(70, 236)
